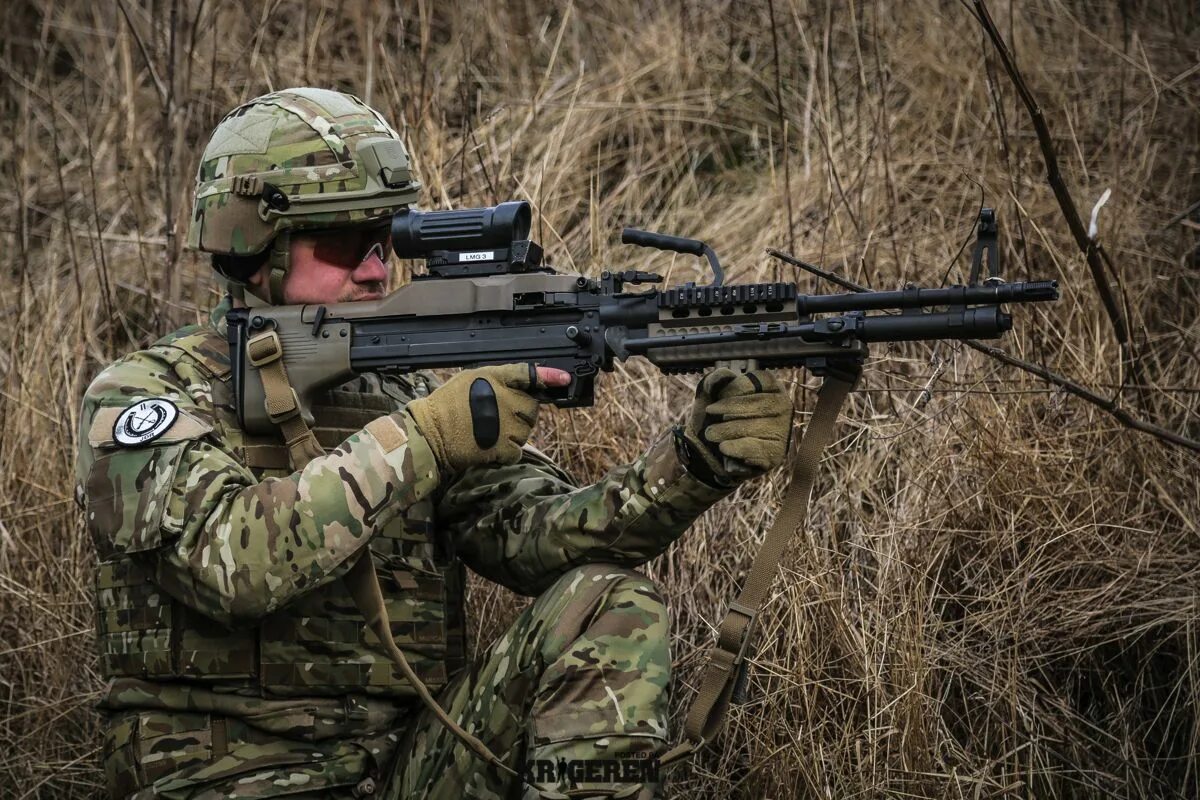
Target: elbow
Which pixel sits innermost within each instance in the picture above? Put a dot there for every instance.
(243, 596)
(246, 612)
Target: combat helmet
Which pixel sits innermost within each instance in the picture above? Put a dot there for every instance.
(297, 159)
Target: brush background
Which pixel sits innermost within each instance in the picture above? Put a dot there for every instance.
(998, 595)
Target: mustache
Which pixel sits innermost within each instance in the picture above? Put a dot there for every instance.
(363, 289)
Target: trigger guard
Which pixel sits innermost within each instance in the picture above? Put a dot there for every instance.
(578, 393)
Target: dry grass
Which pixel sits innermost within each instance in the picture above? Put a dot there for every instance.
(999, 595)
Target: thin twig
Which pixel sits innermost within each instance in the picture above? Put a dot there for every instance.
(137, 37)
(105, 291)
(1182, 215)
(845, 283)
(1066, 384)
(783, 144)
(170, 130)
(1082, 392)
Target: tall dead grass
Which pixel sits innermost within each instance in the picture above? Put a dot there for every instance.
(998, 596)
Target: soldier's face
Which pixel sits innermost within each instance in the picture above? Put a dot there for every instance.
(341, 267)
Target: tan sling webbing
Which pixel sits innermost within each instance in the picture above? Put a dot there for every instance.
(265, 353)
(706, 717)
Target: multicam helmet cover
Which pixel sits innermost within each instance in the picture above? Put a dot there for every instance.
(292, 160)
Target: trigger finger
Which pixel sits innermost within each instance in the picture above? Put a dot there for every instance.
(514, 376)
(549, 376)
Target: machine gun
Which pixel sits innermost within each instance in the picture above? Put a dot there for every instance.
(487, 298)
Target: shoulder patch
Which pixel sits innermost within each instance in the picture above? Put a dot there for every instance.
(144, 422)
(154, 419)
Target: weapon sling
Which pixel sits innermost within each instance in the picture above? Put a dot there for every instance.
(265, 353)
(735, 636)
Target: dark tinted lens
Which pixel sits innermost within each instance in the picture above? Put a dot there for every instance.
(340, 248)
(348, 247)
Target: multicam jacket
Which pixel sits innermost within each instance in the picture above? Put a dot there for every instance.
(217, 582)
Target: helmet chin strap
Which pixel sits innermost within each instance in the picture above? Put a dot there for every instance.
(279, 261)
(271, 292)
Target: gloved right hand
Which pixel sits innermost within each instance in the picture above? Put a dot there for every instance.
(480, 416)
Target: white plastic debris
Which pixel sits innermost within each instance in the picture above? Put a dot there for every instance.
(1093, 229)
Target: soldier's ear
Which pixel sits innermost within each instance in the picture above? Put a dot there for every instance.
(259, 278)
(239, 268)
(257, 283)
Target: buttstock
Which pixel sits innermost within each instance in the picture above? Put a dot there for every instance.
(315, 357)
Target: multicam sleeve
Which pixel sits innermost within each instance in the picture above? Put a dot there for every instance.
(524, 525)
(214, 537)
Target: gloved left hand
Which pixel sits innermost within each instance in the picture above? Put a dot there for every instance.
(740, 424)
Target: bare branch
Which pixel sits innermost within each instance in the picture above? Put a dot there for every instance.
(785, 156)
(137, 37)
(1082, 392)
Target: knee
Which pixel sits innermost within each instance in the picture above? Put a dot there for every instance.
(605, 601)
(609, 585)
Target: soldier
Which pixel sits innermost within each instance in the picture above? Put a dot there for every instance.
(238, 663)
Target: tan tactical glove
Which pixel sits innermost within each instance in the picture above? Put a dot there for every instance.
(740, 426)
(480, 416)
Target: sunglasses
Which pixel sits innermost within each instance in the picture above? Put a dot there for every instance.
(349, 247)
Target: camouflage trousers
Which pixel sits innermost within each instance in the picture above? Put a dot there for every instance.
(573, 696)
